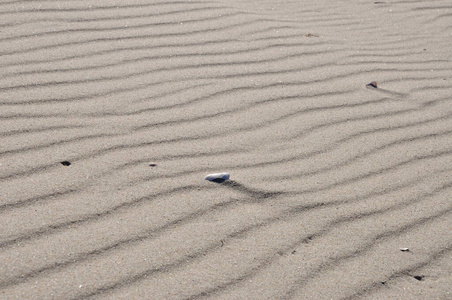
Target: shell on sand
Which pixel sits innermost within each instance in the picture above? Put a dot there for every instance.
(217, 176)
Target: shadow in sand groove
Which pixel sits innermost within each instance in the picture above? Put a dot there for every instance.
(253, 193)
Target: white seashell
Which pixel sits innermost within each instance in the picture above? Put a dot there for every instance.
(404, 249)
(219, 177)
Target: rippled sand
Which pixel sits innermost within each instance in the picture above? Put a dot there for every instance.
(329, 178)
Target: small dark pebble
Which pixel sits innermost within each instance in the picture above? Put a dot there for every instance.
(383, 282)
(417, 277)
(372, 84)
(152, 164)
(65, 163)
(293, 252)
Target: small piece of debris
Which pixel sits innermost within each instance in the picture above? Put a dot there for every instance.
(217, 177)
(66, 163)
(308, 239)
(404, 249)
(372, 84)
(311, 35)
(417, 277)
(152, 164)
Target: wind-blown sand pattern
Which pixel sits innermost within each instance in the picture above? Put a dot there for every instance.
(329, 179)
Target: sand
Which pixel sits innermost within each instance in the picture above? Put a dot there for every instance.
(329, 179)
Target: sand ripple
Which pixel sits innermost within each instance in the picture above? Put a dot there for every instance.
(329, 179)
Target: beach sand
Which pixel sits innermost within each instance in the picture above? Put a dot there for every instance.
(329, 179)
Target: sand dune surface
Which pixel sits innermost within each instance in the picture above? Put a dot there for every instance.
(112, 113)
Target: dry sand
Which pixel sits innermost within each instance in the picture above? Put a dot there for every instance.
(329, 179)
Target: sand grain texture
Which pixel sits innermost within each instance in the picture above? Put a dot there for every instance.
(329, 179)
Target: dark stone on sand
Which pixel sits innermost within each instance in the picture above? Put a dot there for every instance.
(372, 84)
(152, 164)
(417, 277)
(66, 163)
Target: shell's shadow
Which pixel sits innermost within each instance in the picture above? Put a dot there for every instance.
(251, 192)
